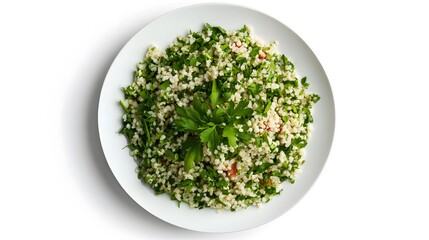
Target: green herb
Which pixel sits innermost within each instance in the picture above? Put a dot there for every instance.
(240, 59)
(172, 156)
(165, 85)
(229, 132)
(224, 47)
(315, 98)
(194, 152)
(267, 107)
(304, 82)
(218, 115)
(123, 107)
(270, 190)
(299, 142)
(211, 137)
(255, 51)
(239, 110)
(255, 89)
(146, 131)
(214, 96)
(186, 124)
(186, 182)
(177, 65)
(309, 117)
(287, 63)
(261, 168)
(146, 162)
(196, 119)
(193, 61)
(244, 136)
(128, 91)
(143, 94)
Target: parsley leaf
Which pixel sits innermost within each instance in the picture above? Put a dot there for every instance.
(193, 114)
(186, 124)
(172, 156)
(299, 142)
(193, 61)
(255, 51)
(315, 98)
(194, 152)
(177, 65)
(304, 82)
(239, 110)
(245, 137)
(215, 29)
(255, 89)
(143, 94)
(201, 108)
(244, 112)
(286, 63)
(215, 95)
(261, 168)
(207, 26)
(218, 115)
(267, 107)
(229, 132)
(186, 182)
(309, 118)
(195, 119)
(211, 137)
(221, 30)
(165, 85)
(189, 113)
(146, 130)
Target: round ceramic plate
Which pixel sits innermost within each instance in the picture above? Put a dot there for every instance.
(162, 32)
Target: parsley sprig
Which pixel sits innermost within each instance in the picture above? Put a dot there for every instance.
(210, 127)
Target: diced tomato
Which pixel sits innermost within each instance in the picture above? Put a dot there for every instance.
(269, 183)
(237, 45)
(280, 128)
(263, 55)
(266, 126)
(233, 171)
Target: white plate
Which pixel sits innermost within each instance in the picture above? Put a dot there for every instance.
(163, 31)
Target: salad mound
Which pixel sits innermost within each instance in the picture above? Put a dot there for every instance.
(218, 119)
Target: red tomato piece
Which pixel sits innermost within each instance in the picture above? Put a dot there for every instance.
(233, 171)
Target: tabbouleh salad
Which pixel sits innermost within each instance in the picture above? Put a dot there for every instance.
(217, 120)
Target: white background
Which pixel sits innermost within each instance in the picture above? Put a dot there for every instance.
(56, 184)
